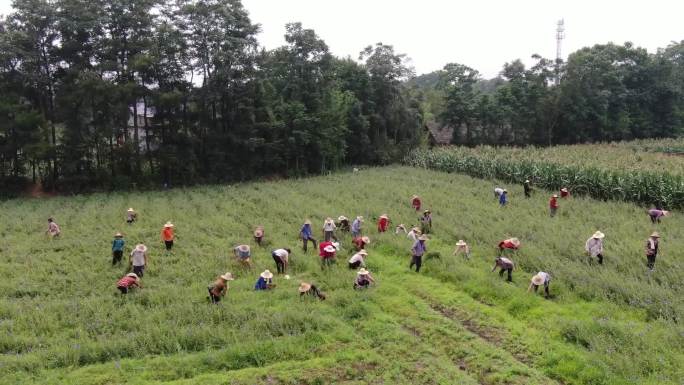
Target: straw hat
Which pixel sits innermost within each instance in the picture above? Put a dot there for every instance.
(360, 218)
(243, 248)
(140, 247)
(304, 287)
(598, 235)
(228, 277)
(259, 232)
(168, 224)
(555, 196)
(266, 274)
(130, 209)
(363, 271)
(666, 213)
(118, 235)
(363, 252)
(515, 241)
(655, 235)
(329, 249)
(505, 190)
(427, 212)
(365, 239)
(538, 280)
(460, 242)
(307, 222)
(342, 218)
(527, 181)
(336, 245)
(416, 230)
(132, 275)
(384, 216)
(328, 220)
(414, 197)
(564, 189)
(423, 238)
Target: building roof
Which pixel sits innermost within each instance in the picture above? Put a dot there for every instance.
(439, 134)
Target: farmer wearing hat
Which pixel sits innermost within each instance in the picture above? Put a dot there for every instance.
(414, 234)
(383, 223)
(358, 260)
(656, 214)
(243, 253)
(259, 234)
(343, 223)
(219, 288)
(652, 250)
(265, 281)
(363, 279)
(509, 244)
(117, 248)
(527, 188)
(128, 282)
(594, 246)
(553, 205)
(329, 229)
(307, 235)
(356, 227)
(281, 257)
(360, 243)
(462, 248)
(328, 252)
(167, 235)
(417, 252)
(564, 193)
(506, 265)
(138, 259)
(415, 202)
(131, 216)
(503, 198)
(426, 222)
(53, 229)
(310, 289)
(541, 278)
(401, 228)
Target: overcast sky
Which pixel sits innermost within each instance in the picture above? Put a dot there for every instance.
(483, 34)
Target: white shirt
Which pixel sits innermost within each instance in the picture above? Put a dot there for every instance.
(138, 258)
(329, 226)
(282, 253)
(594, 246)
(356, 258)
(544, 275)
(498, 191)
(412, 235)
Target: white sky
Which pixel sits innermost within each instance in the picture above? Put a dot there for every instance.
(483, 34)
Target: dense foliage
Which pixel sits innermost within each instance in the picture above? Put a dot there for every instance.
(211, 105)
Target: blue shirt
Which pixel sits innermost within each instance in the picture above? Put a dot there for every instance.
(419, 248)
(503, 200)
(356, 226)
(118, 244)
(262, 284)
(306, 231)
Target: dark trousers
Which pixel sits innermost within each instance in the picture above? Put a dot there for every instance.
(546, 289)
(330, 235)
(168, 244)
(416, 260)
(361, 284)
(327, 262)
(280, 265)
(354, 265)
(650, 261)
(510, 273)
(258, 240)
(139, 270)
(213, 298)
(116, 256)
(600, 258)
(553, 211)
(123, 290)
(655, 219)
(305, 242)
(527, 193)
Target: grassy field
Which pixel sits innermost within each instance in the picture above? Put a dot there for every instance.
(63, 322)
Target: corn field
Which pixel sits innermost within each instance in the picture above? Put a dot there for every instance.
(622, 172)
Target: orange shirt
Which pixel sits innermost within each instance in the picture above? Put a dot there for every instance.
(167, 234)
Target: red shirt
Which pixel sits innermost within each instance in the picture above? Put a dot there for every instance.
(564, 194)
(322, 253)
(359, 243)
(507, 245)
(127, 282)
(167, 234)
(553, 203)
(382, 224)
(416, 203)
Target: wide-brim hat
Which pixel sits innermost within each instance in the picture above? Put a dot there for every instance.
(506, 191)
(666, 213)
(427, 212)
(342, 218)
(363, 271)
(228, 277)
(598, 235)
(460, 242)
(118, 235)
(304, 287)
(564, 189)
(336, 245)
(554, 196)
(266, 274)
(141, 247)
(360, 218)
(168, 224)
(414, 197)
(416, 230)
(423, 238)
(258, 232)
(538, 280)
(363, 252)
(329, 249)
(365, 239)
(307, 222)
(515, 241)
(328, 219)
(133, 275)
(243, 248)
(130, 209)
(384, 216)
(527, 181)
(655, 235)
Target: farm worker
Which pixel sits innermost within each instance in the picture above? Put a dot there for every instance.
(509, 244)
(426, 222)
(462, 247)
(128, 282)
(564, 193)
(131, 215)
(383, 223)
(328, 254)
(138, 259)
(167, 235)
(329, 229)
(265, 281)
(498, 191)
(656, 214)
(652, 250)
(541, 278)
(310, 289)
(243, 253)
(415, 202)
(506, 265)
(117, 248)
(343, 223)
(414, 234)
(356, 227)
(527, 188)
(307, 235)
(400, 228)
(358, 260)
(219, 288)
(503, 198)
(417, 251)
(553, 205)
(259, 234)
(281, 257)
(53, 229)
(594, 246)
(363, 279)
(360, 243)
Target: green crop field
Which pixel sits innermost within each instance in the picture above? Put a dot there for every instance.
(62, 320)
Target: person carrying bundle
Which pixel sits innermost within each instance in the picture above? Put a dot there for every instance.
(363, 279)
(541, 278)
(128, 282)
(416, 202)
(117, 248)
(656, 214)
(383, 223)
(594, 246)
(506, 265)
(306, 288)
(329, 230)
(219, 288)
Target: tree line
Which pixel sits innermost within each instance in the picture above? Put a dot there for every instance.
(116, 93)
(607, 92)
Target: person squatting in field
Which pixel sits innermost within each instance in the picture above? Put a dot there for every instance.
(656, 214)
(509, 244)
(360, 243)
(553, 205)
(310, 289)
(506, 265)
(265, 281)
(541, 278)
(128, 282)
(329, 228)
(462, 248)
(167, 235)
(281, 257)
(363, 279)
(383, 223)
(259, 235)
(117, 248)
(138, 260)
(417, 251)
(306, 234)
(358, 260)
(243, 253)
(652, 250)
(53, 229)
(219, 288)
(131, 216)
(594, 246)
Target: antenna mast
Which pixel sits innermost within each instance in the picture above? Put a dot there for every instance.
(560, 35)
